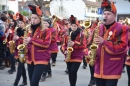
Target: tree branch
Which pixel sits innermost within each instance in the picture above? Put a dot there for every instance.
(36, 2)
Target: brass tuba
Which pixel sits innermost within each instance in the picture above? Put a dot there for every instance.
(22, 48)
(94, 46)
(69, 49)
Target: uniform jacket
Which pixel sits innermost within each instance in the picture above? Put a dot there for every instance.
(53, 46)
(78, 47)
(38, 47)
(110, 54)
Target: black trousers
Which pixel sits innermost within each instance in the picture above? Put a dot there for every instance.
(2, 54)
(12, 61)
(124, 62)
(106, 82)
(128, 73)
(72, 71)
(35, 72)
(21, 72)
(47, 69)
(53, 56)
(92, 72)
(84, 62)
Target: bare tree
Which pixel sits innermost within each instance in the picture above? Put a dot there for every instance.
(44, 6)
(59, 8)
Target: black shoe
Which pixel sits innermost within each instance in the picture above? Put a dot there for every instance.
(2, 68)
(23, 84)
(53, 63)
(66, 71)
(91, 83)
(84, 67)
(11, 71)
(49, 75)
(43, 78)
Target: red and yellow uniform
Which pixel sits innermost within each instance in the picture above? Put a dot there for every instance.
(38, 51)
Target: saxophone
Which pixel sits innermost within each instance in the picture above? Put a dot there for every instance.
(94, 47)
(69, 49)
(22, 50)
(12, 44)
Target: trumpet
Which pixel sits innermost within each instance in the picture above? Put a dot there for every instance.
(69, 49)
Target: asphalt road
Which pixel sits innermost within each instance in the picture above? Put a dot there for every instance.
(59, 77)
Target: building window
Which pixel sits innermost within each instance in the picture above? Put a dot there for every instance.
(88, 9)
(3, 7)
(93, 10)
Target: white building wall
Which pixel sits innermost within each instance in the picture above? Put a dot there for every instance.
(123, 7)
(13, 5)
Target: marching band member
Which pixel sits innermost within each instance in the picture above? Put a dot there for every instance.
(18, 38)
(53, 48)
(76, 42)
(112, 44)
(38, 43)
(11, 30)
(89, 42)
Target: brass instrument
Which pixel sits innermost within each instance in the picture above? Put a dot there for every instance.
(12, 44)
(55, 20)
(87, 24)
(69, 49)
(22, 48)
(127, 21)
(94, 47)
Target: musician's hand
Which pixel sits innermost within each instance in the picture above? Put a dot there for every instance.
(27, 40)
(65, 52)
(6, 34)
(10, 31)
(71, 43)
(89, 53)
(15, 38)
(98, 40)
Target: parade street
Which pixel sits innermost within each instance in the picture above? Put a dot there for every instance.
(59, 77)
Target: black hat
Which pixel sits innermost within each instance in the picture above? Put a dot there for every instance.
(22, 18)
(106, 5)
(35, 10)
(72, 19)
(49, 22)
